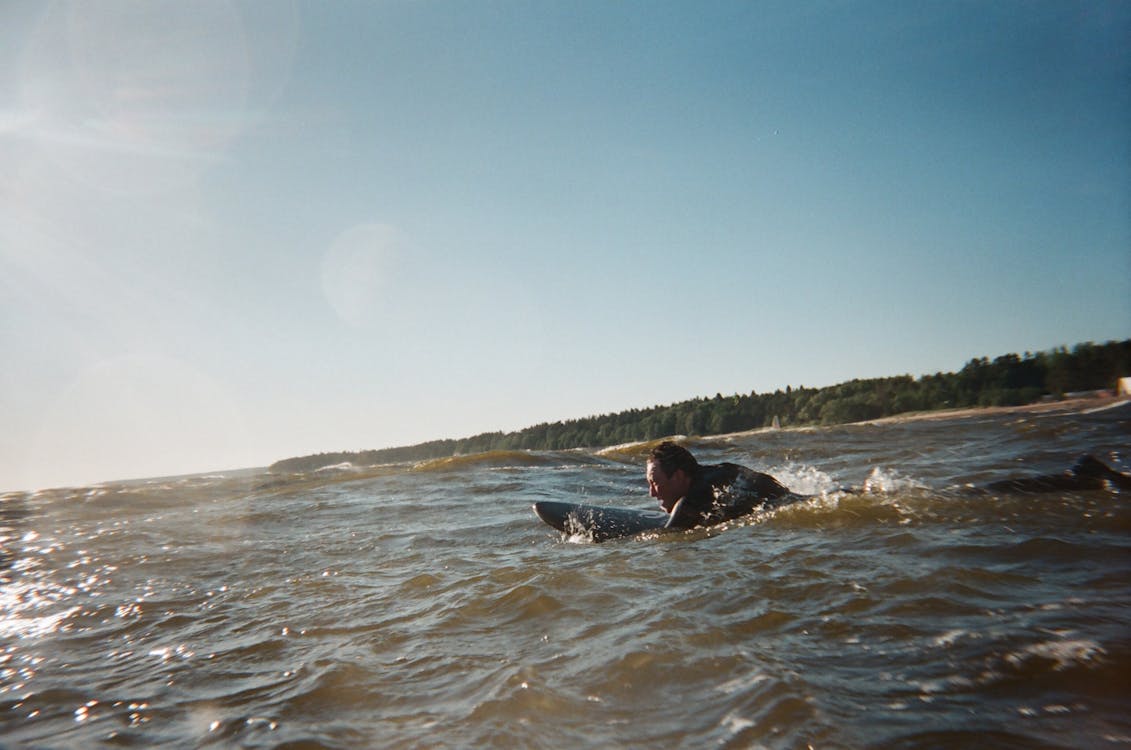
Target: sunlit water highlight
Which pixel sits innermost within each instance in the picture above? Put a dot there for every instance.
(426, 606)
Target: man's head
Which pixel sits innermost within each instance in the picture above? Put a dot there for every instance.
(670, 471)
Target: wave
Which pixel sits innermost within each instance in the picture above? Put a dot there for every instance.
(634, 452)
(273, 482)
(500, 459)
(637, 452)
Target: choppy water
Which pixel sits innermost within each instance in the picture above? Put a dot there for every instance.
(420, 607)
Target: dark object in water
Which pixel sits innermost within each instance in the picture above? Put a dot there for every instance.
(1088, 473)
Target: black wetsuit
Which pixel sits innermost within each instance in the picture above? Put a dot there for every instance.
(721, 492)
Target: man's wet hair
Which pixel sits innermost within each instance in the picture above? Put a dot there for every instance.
(671, 458)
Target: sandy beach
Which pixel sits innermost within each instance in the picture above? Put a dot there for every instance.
(1076, 405)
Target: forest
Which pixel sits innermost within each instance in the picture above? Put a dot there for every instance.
(1008, 380)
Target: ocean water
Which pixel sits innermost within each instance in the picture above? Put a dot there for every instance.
(427, 607)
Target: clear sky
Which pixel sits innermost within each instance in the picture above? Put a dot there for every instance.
(234, 232)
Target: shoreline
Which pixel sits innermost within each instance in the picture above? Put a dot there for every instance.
(1076, 405)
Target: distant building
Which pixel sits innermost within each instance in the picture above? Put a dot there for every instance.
(1124, 387)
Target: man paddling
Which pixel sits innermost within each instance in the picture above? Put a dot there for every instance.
(695, 494)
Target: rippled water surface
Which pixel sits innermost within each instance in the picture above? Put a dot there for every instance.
(426, 606)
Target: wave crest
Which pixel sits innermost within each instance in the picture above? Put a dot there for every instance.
(501, 459)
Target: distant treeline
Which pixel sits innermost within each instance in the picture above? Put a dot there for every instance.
(1008, 380)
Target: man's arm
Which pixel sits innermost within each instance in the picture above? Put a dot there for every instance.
(682, 516)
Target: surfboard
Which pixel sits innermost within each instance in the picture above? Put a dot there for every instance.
(599, 523)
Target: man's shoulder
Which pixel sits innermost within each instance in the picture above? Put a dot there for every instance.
(725, 471)
(741, 478)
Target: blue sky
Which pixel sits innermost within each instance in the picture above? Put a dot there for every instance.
(233, 232)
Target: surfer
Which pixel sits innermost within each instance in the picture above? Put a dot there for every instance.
(694, 494)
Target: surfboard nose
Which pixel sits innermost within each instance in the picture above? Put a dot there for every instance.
(551, 512)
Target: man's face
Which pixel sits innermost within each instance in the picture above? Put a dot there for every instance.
(668, 490)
